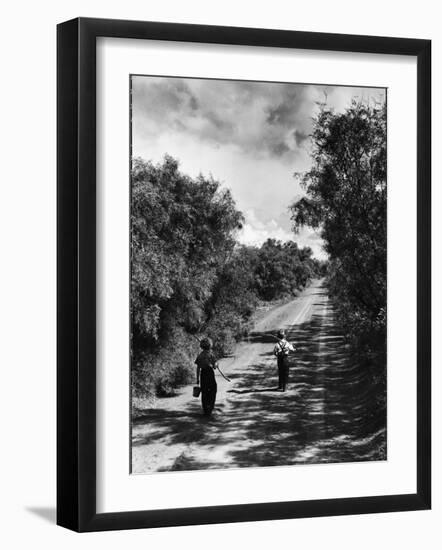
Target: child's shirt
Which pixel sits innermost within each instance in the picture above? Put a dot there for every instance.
(283, 348)
(205, 360)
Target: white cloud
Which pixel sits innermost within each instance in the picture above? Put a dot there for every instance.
(251, 136)
(256, 232)
(259, 119)
(309, 237)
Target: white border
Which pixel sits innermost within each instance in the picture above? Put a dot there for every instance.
(116, 489)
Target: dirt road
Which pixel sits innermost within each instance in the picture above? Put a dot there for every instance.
(325, 416)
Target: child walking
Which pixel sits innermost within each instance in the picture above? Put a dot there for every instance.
(282, 350)
(205, 373)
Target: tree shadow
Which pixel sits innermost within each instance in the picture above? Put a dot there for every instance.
(255, 390)
(332, 412)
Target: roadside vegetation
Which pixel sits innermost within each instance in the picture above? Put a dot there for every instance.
(346, 201)
(190, 276)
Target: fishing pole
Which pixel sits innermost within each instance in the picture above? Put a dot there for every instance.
(217, 365)
(279, 339)
(222, 374)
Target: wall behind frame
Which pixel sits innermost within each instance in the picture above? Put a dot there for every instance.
(27, 290)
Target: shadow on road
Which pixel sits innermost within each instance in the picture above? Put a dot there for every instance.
(254, 390)
(332, 411)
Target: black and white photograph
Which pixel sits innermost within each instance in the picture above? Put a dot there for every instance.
(220, 311)
(258, 274)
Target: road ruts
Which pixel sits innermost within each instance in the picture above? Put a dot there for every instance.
(324, 416)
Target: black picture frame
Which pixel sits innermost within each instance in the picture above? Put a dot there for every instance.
(77, 287)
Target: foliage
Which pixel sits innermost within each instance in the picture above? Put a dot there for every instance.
(190, 276)
(233, 300)
(182, 232)
(347, 201)
(282, 269)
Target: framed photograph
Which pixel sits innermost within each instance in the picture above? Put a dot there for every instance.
(243, 274)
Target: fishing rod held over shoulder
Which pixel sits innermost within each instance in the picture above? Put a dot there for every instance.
(280, 340)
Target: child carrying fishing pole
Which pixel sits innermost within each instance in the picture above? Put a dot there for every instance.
(206, 364)
(282, 350)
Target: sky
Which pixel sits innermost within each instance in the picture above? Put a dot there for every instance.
(250, 136)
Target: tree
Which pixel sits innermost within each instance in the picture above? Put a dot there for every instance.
(282, 269)
(233, 300)
(183, 231)
(190, 276)
(346, 200)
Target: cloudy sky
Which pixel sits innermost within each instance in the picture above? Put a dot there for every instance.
(251, 136)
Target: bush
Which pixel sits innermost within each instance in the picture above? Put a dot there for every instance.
(162, 371)
(182, 231)
(190, 277)
(347, 201)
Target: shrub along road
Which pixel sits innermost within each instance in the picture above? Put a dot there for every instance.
(326, 415)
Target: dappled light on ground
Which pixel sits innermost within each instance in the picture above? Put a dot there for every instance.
(328, 414)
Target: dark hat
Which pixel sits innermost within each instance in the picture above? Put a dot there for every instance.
(206, 343)
(281, 334)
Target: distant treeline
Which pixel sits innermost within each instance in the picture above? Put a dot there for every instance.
(346, 201)
(191, 277)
